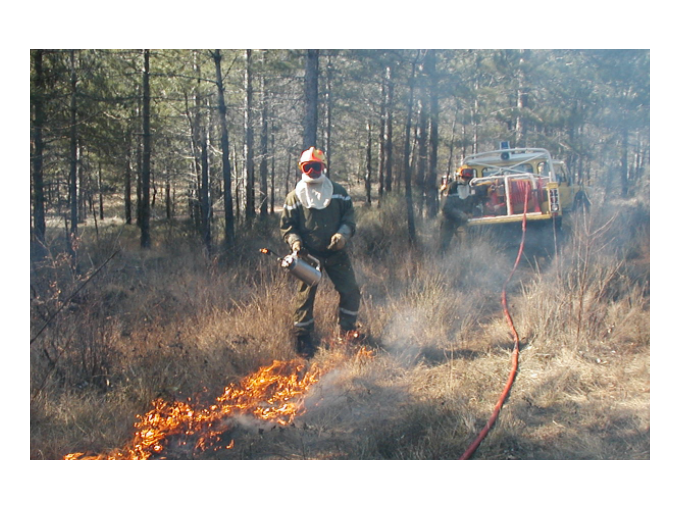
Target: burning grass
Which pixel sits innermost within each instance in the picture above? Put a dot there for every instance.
(175, 356)
(271, 395)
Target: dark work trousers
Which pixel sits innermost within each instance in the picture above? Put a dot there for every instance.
(452, 217)
(338, 267)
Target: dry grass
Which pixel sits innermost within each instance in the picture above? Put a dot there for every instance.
(169, 322)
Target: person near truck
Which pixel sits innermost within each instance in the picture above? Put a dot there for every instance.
(458, 203)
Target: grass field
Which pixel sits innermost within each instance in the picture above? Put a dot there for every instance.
(170, 330)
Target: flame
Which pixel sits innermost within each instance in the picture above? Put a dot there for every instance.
(274, 395)
(271, 394)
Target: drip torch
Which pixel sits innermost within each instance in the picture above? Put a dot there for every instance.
(309, 271)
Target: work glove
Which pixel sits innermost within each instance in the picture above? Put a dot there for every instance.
(296, 246)
(338, 242)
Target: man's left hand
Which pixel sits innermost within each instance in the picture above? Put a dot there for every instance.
(338, 242)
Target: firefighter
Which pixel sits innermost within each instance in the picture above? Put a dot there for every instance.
(457, 205)
(318, 217)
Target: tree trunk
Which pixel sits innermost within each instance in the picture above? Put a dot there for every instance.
(145, 209)
(311, 99)
(329, 111)
(237, 193)
(128, 181)
(73, 175)
(474, 120)
(100, 191)
(420, 149)
(449, 166)
(38, 146)
(640, 158)
(264, 150)
(367, 175)
(624, 160)
(168, 196)
(381, 144)
(250, 162)
(407, 162)
(224, 143)
(272, 198)
(202, 161)
(388, 130)
(83, 187)
(289, 167)
(206, 206)
(522, 100)
(431, 177)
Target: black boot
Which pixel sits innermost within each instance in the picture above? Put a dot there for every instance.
(305, 345)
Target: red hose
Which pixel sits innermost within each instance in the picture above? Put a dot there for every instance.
(515, 352)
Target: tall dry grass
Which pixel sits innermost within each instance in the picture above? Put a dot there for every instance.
(172, 322)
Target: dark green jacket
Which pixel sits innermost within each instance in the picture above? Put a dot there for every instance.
(315, 227)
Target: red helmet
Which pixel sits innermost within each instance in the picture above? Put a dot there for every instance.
(466, 173)
(312, 162)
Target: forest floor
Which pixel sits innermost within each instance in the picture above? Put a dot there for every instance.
(158, 342)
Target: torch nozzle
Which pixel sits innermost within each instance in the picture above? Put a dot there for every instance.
(267, 251)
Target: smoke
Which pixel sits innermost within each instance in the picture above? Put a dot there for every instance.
(247, 422)
(399, 339)
(354, 400)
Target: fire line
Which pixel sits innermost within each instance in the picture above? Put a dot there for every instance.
(273, 395)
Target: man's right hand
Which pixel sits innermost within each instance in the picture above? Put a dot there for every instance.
(296, 246)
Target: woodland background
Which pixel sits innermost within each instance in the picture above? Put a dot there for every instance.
(214, 134)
